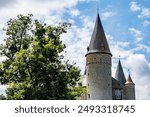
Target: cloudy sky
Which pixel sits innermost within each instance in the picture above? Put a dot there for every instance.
(126, 24)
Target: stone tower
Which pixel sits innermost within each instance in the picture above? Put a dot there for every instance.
(119, 92)
(98, 65)
(130, 89)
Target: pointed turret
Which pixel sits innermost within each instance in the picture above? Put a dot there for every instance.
(98, 43)
(129, 80)
(120, 74)
(130, 89)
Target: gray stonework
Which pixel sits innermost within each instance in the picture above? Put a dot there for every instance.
(130, 89)
(130, 92)
(99, 76)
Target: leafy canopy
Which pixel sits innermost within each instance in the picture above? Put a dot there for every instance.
(34, 68)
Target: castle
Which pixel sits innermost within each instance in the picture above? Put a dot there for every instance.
(99, 82)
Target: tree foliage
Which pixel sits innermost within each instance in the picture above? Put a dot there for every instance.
(2, 97)
(34, 68)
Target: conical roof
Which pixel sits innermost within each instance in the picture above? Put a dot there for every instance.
(98, 41)
(120, 74)
(129, 80)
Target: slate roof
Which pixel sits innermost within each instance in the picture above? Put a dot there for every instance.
(120, 74)
(129, 80)
(98, 41)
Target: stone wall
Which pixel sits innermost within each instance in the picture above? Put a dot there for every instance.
(130, 92)
(98, 73)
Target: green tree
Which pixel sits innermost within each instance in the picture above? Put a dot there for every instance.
(2, 97)
(34, 68)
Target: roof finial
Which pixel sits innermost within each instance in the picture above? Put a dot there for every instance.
(129, 71)
(97, 9)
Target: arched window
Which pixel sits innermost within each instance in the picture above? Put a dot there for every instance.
(118, 94)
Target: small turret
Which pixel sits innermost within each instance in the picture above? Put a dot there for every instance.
(120, 74)
(129, 81)
(130, 89)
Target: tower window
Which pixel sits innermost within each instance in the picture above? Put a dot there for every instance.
(118, 94)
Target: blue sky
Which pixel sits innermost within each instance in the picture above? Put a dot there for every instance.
(126, 24)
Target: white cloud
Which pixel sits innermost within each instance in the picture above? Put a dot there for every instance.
(139, 65)
(134, 6)
(136, 33)
(87, 22)
(72, 21)
(107, 14)
(110, 37)
(74, 12)
(7, 3)
(147, 48)
(142, 47)
(146, 23)
(145, 13)
(88, 1)
(53, 8)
